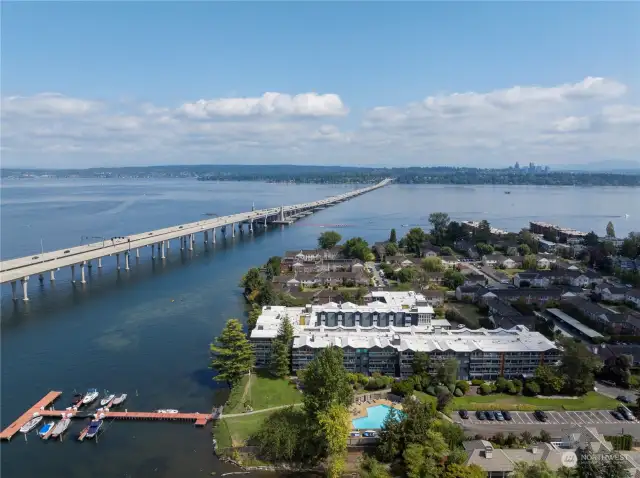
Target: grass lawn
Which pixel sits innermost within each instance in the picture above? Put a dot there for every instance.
(264, 391)
(510, 272)
(236, 431)
(500, 401)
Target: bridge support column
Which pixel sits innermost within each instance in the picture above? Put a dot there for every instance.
(162, 250)
(25, 282)
(233, 230)
(13, 290)
(213, 235)
(265, 222)
(206, 237)
(73, 274)
(126, 261)
(99, 262)
(153, 251)
(118, 261)
(168, 244)
(41, 278)
(89, 264)
(82, 280)
(137, 253)
(251, 226)
(52, 276)
(190, 239)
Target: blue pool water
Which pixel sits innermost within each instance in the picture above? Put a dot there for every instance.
(374, 419)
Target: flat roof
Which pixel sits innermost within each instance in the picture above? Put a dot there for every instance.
(588, 331)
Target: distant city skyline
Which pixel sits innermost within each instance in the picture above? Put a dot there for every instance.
(357, 84)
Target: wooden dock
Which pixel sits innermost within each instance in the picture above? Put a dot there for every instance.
(37, 408)
(199, 419)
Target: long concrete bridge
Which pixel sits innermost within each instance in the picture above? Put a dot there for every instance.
(79, 257)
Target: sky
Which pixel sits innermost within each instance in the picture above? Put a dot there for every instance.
(89, 84)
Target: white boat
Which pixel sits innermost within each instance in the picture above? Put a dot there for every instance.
(170, 410)
(107, 399)
(119, 399)
(31, 424)
(60, 427)
(45, 429)
(90, 396)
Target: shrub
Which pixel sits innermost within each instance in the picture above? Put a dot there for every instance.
(458, 392)
(485, 389)
(518, 384)
(511, 389)
(500, 384)
(621, 442)
(402, 388)
(477, 381)
(463, 385)
(431, 390)
(451, 387)
(532, 388)
(440, 389)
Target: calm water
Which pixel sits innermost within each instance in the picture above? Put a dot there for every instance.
(146, 332)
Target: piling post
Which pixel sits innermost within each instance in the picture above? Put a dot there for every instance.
(25, 295)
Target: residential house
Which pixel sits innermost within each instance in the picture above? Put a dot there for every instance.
(435, 298)
(467, 248)
(304, 280)
(340, 278)
(632, 296)
(493, 259)
(512, 262)
(429, 250)
(625, 324)
(545, 245)
(624, 263)
(474, 279)
(589, 309)
(611, 293)
(281, 281)
(605, 351)
(543, 263)
(449, 261)
(529, 296)
(434, 277)
(531, 279)
(467, 292)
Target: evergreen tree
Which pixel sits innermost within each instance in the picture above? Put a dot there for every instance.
(392, 236)
(588, 466)
(267, 295)
(611, 232)
(328, 239)
(615, 466)
(232, 355)
(390, 442)
(281, 350)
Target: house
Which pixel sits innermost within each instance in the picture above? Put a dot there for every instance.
(632, 296)
(493, 259)
(625, 324)
(340, 278)
(281, 281)
(624, 263)
(531, 279)
(589, 309)
(529, 296)
(606, 351)
(543, 263)
(511, 262)
(434, 277)
(474, 279)
(611, 293)
(467, 248)
(304, 280)
(429, 250)
(467, 292)
(380, 249)
(435, 298)
(449, 261)
(545, 245)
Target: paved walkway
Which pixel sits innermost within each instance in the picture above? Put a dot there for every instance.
(264, 410)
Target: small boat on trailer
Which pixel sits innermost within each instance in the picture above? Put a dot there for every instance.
(31, 424)
(119, 400)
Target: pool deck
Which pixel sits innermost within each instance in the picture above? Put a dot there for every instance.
(360, 410)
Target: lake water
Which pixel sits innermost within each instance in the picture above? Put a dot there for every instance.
(146, 332)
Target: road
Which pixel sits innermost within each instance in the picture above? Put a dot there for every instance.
(375, 273)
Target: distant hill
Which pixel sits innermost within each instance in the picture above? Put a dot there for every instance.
(609, 166)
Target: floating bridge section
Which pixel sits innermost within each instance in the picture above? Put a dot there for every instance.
(79, 257)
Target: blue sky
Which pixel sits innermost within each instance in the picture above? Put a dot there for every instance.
(121, 58)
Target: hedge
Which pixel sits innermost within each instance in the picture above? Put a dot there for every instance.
(621, 442)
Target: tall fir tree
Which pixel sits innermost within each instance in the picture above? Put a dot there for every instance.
(232, 354)
(281, 350)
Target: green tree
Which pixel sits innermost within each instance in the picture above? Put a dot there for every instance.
(530, 262)
(591, 239)
(372, 468)
(483, 231)
(455, 231)
(629, 248)
(281, 350)
(266, 295)
(357, 248)
(272, 267)
(335, 425)
(326, 382)
(537, 469)
(550, 381)
(611, 232)
(252, 280)
(588, 465)
(424, 460)
(328, 239)
(414, 239)
(484, 248)
(524, 250)
(439, 222)
(232, 355)
(420, 363)
(432, 264)
(392, 236)
(391, 249)
(447, 371)
(456, 470)
(453, 278)
(446, 251)
(254, 314)
(284, 436)
(405, 275)
(578, 366)
(615, 466)
(391, 437)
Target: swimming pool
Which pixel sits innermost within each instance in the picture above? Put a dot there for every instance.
(374, 419)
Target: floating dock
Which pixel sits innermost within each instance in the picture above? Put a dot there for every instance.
(199, 419)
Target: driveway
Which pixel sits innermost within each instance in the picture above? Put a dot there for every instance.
(525, 419)
(614, 392)
(375, 273)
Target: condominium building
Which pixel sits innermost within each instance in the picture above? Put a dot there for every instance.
(384, 335)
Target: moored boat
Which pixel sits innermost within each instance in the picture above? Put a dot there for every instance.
(60, 427)
(31, 424)
(106, 400)
(45, 429)
(94, 428)
(168, 410)
(119, 399)
(76, 400)
(90, 396)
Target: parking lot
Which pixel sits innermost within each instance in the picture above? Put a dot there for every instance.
(586, 418)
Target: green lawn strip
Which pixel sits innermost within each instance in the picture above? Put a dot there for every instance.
(499, 401)
(267, 391)
(236, 431)
(234, 403)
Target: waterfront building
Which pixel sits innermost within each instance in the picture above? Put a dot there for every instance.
(384, 335)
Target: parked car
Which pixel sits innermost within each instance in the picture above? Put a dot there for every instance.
(481, 415)
(626, 413)
(463, 414)
(540, 415)
(490, 416)
(506, 415)
(369, 433)
(617, 415)
(499, 416)
(623, 399)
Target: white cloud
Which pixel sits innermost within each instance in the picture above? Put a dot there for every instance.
(574, 122)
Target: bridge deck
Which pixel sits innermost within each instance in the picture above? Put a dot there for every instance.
(15, 269)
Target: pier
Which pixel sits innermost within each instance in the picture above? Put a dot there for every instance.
(40, 408)
(78, 258)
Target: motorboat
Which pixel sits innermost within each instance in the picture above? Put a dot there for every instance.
(107, 399)
(119, 399)
(94, 428)
(60, 427)
(45, 429)
(170, 410)
(90, 396)
(31, 424)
